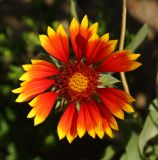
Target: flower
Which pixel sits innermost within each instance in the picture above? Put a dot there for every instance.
(88, 104)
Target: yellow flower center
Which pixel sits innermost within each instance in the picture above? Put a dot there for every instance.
(78, 82)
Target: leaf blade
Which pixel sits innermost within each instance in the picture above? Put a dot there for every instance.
(139, 38)
(107, 80)
(150, 128)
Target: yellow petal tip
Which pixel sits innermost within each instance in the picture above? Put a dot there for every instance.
(81, 133)
(17, 90)
(61, 134)
(38, 120)
(84, 22)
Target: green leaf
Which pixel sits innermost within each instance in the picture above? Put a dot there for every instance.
(139, 38)
(124, 157)
(50, 140)
(132, 150)
(150, 128)
(107, 80)
(10, 114)
(4, 127)
(109, 153)
(55, 61)
(15, 72)
(12, 152)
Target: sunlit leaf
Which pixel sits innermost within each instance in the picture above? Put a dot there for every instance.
(150, 128)
(139, 38)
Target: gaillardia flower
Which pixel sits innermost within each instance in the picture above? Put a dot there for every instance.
(77, 84)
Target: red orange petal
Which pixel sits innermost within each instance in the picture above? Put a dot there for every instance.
(73, 131)
(81, 121)
(122, 98)
(42, 106)
(121, 94)
(56, 44)
(68, 123)
(98, 48)
(79, 35)
(33, 88)
(121, 61)
(89, 121)
(39, 69)
(97, 118)
(110, 103)
(108, 116)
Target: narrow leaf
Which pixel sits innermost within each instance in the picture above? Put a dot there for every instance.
(73, 9)
(139, 38)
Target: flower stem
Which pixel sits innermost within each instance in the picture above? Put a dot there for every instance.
(121, 45)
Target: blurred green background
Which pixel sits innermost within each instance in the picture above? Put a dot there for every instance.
(21, 21)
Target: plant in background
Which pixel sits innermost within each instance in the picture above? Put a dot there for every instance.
(80, 83)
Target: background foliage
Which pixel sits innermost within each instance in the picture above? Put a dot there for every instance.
(21, 22)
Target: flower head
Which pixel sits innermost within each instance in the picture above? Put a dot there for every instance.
(88, 105)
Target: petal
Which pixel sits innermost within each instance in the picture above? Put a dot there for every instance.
(42, 106)
(39, 65)
(122, 98)
(56, 44)
(84, 22)
(81, 124)
(27, 67)
(107, 128)
(79, 35)
(97, 118)
(105, 37)
(121, 94)
(93, 28)
(89, 121)
(38, 69)
(73, 131)
(110, 103)
(98, 48)
(33, 88)
(68, 123)
(50, 32)
(108, 116)
(17, 90)
(121, 61)
(32, 113)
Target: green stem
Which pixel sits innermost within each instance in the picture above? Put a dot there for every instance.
(73, 9)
